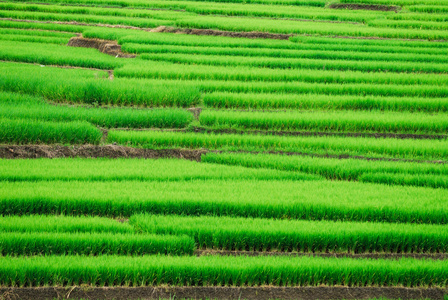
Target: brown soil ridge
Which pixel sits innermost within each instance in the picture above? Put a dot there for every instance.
(322, 133)
(434, 256)
(223, 292)
(251, 35)
(358, 6)
(94, 151)
(105, 46)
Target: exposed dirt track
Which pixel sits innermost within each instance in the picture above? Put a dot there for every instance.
(107, 47)
(435, 256)
(258, 293)
(93, 151)
(251, 35)
(357, 6)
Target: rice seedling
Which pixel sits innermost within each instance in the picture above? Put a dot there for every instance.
(250, 234)
(289, 199)
(219, 271)
(327, 121)
(388, 172)
(50, 243)
(325, 145)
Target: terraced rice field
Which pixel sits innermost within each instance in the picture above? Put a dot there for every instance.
(226, 149)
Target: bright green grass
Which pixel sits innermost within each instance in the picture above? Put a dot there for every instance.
(26, 131)
(50, 243)
(61, 224)
(328, 145)
(304, 236)
(312, 200)
(29, 107)
(219, 271)
(389, 172)
(68, 169)
(323, 102)
(341, 121)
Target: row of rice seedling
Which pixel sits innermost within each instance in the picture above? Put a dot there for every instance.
(399, 2)
(62, 224)
(29, 107)
(43, 243)
(167, 70)
(34, 26)
(323, 63)
(290, 199)
(326, 145)
(442, 9)
(327, 121)
(301, 42)
(290, 53)
(323, 102)
(134, 169)
(218, 271)
(48, 54)
(92, 87)
(389, 172)
(303, 236)
(414, 24)
(304, 27)
(84, 18)
(26, 131)
(31, 39)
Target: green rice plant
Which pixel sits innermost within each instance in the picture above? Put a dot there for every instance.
(399, 2)
(417, 24)
(338, 121)
(61, 224)
(303, 27)
(50, 243)
(300, 63)
(48, 54)
(287, 199)
(219, 271)
(25, 131)
(43, 26)
(88, 86)
(388, 172)
(326, 55)
(323, 102)
(167, 70)
(303, 236)
(324, 145)
(68, 169)
(30, 39)
(429, 8)
(27, 107)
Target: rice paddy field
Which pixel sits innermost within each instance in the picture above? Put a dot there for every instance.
(223, 149)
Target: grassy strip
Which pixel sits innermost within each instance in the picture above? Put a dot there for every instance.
(283, 235)
(25, 131)
(298, 27)
(301, 42)
(61, 224)
(392, 173)
(29, 39)
(133, 169)
(311, 200)
(300, 63)
(417, 149)
(341, 121)
(285, 54)
(219, 271)
(325, 102)
(167, 70)
(44, 243)
(27, 107)
(48, 54)
(88, 86)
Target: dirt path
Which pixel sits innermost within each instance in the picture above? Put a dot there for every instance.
(256, 293)
(108, 47)
(357, 6)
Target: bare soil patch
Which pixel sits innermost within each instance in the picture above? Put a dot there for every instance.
(94, 151)
(105, 46)
(435, 256)
(358, 6)
(256, 293)
(252, 35)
